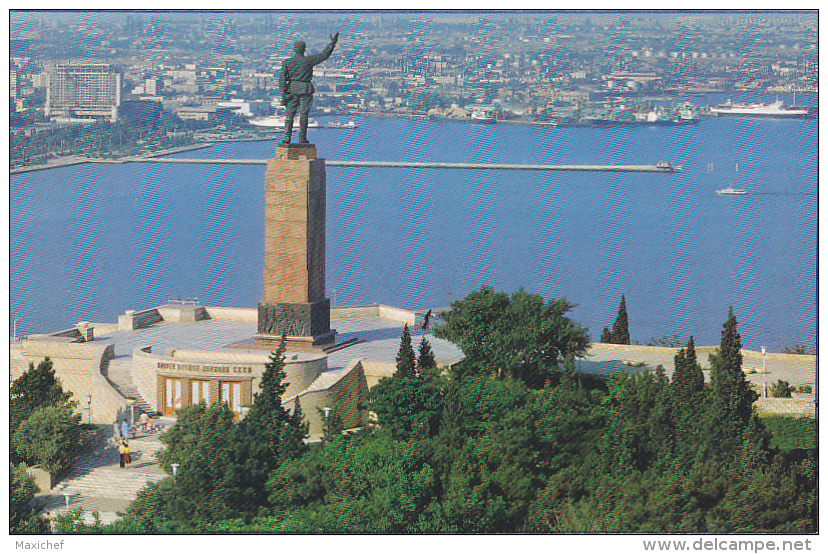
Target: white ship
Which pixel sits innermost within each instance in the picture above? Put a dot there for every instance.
(339, 125)
(774, 109)
(482, 116)
(730, 191)
(279, 121)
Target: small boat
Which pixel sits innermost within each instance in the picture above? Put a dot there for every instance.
(730, 191)
(668, 167)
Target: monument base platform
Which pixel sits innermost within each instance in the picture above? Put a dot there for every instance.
(318, 343)
(296, 151)
(295, 319)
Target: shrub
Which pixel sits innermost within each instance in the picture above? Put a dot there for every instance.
(781, 389)
(23, 518)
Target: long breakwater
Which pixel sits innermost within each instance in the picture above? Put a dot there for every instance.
(661, 167)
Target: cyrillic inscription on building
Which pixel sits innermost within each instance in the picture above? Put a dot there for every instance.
(203, 368)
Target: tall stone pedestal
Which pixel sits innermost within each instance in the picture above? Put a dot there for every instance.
(294, 302)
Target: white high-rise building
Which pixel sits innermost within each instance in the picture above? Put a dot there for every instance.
(151, 87)
(84, 91)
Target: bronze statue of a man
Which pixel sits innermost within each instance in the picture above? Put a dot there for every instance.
(297, 89)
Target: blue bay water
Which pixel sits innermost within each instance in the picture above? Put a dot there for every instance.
(90, 241)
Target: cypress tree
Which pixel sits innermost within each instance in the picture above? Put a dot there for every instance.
(426, 359)
(268, 401)
(687, 377)
(276, 434)
(620, 329)
(731, 412)
(731, 390)
(298, 415)
(406, 360)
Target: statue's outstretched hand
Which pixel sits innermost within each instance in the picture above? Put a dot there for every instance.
(335, 38)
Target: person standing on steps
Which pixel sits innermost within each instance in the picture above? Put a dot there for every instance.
(127, 455)
(297, 88)
(142, 420)
(116, 430)
(124, 429)
(122, 453)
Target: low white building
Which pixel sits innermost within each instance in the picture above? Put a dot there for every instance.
(172, 356)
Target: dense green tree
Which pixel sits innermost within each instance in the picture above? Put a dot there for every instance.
(638, 425)
(425, 360)
(606, 336)
(355, 485)
(521, 336)
(791, 434)
(406, 360)
(23, 517)
(269, 434)
(621, 327)
(267, 402)
(408, 404)
(212, 482)
(36, 388)
(731, 415)
(48, 438)
(688, 378)
(687, 404)
(772, 498)
(275, 432)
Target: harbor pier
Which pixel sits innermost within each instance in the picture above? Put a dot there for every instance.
(660, 167)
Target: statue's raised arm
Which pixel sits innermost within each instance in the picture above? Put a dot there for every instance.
(295, 82)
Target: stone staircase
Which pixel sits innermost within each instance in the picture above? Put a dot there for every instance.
(119, 374)
(342, 345)
(96, 482)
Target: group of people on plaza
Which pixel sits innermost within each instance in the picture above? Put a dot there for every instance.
(121, 431)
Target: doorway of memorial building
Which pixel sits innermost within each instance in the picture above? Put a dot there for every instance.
(231, 395)
(172, 396)
(199, 392)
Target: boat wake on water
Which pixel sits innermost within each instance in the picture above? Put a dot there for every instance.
(783, 193)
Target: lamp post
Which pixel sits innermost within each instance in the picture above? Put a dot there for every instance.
(14, 330)
(764, 370)
(327, 411)
(66, 495)
(89, 407)
(175, 470)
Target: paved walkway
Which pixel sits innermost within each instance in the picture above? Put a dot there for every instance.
(97, 483)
